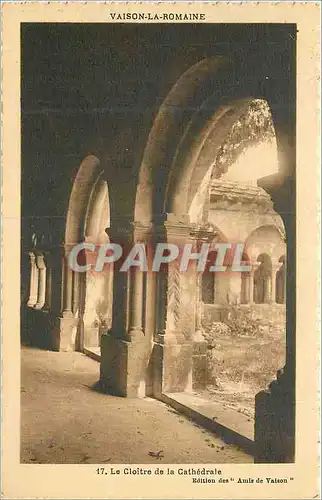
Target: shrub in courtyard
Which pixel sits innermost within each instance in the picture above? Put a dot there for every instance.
(217, 329)
(244, 322)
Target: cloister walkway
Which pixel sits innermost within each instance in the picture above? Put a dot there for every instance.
(64, 419)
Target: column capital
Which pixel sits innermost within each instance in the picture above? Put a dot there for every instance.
(32, 256)
(205, 233)
(142, 232)
(170, 227)
(126, 230)
(254, 264)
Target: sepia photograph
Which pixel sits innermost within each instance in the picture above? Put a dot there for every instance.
(159, 255)
(135, 136)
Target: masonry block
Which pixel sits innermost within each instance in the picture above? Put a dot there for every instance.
(123, 366)
(172, 367)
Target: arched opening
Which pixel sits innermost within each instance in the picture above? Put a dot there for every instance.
(91, 292)
(97, 313)
(246, 286)
(208, 287)
(281, 281)
(224, 150)
(208, 283)
(263, 280)
(239, 335)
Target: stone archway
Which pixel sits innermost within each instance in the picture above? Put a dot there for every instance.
(96, 310)
(184, 205)
(188, 166)
(263, 280)
(87, 297)
(156, 327)
(281, 281)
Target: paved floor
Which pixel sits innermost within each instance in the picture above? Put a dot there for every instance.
(65, 420)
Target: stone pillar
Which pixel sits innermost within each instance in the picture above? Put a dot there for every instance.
(41, 282)
(125, 348)
(65, 324)
(267, 289)
(68, 290)
(173, 348)
(199, 356)
(136, 303)
(76, 293)
(47, 304)
(275, 406)
(33, 281)
(281, 284)
(200, 346)
(245, 283)
(234, 287)
(199, 328)
(251, 288)
(254, 267)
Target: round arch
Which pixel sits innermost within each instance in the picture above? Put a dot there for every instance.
(97, 217)
(87, 218)
(266, 239)
(191, 123)
(87, 175)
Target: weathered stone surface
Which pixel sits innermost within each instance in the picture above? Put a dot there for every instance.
(123, 366)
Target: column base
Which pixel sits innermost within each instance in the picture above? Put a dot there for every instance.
(64, 337)
(38, 307)
(123, 369)
(172, 367)
(275, 422)
(37, 328)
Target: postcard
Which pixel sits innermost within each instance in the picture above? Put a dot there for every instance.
(160, 262)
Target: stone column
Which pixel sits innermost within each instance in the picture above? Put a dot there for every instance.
(275, 406)
(199, 354)
(245, 282)
(234, 287)
(41, 282)
(173, 349)
(199, 357)
(136, 303)
(281, 289)
(68, 290)
(251, 288)
(47, 304)
(65, 325)
(33, 281)
(254, 267)
(199, 328)
(268, 289)
(75, 293)
(125, 349)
